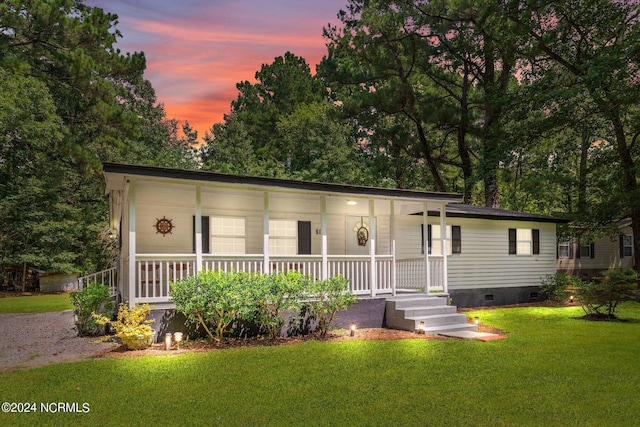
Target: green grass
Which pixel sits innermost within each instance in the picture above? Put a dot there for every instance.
(553, 370)
(35, 304)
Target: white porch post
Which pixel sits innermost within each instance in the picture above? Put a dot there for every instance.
(198, 226)
(132, 244)
(425, 232)
(372, 247)
(445, 251)
(392, 233)
(323, 249)
(266, 268)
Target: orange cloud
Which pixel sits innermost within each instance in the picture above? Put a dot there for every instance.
(196, 55)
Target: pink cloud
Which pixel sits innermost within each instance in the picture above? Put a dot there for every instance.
(197, 53)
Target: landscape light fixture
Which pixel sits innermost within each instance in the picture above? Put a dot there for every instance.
(353, 329)
(420, 329)
(477, 320)
(571, 299)
(167, 341)
(178, 337)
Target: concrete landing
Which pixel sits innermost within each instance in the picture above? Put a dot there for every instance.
(472, 335)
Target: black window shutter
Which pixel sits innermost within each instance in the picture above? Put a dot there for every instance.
(304, 237)
(205, 235)
(429, 237)
(592, 251)
(512, 241)
(535, 234)
(622, 246)
(578, 251)
(571, 249)
(456, 239)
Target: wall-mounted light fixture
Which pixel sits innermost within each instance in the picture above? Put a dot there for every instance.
(351, 202)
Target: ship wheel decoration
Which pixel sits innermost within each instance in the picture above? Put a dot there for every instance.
(164, 226)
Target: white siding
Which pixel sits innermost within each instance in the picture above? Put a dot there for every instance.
(484, 261)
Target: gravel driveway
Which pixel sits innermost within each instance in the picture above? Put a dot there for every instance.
(36, 339)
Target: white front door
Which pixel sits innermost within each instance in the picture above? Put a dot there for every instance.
(358, 235)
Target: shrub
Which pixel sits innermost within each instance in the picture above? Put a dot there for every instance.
(216, 299)
(560, 286)
(273, 294)
(131, 325)
(327, 297)
(601, 296)
(94, 298)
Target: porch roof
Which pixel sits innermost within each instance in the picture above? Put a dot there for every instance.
(123, 170)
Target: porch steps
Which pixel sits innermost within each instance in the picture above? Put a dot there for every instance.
(405, 312)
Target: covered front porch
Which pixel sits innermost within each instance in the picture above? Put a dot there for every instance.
(173, 224)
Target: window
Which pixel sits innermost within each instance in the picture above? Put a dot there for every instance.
(283, 237)
(524, 241)
(565, 250)
(227, 235)
(586, 251)
(454, 239)
(626, 246)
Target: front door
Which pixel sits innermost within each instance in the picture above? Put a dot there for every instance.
(358, 235)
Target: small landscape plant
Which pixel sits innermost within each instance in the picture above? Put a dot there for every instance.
(601, 297)
(132, 326)
(560, 286)
(94, 298)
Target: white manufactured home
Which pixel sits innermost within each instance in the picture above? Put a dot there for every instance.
(172, 223)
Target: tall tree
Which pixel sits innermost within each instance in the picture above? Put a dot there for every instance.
(597, 43)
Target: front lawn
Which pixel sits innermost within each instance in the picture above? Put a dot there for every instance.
(35, 303)
(552, 370)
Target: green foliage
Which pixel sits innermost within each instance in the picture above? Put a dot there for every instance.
(131, 325)
(274, 293)
(213, 298)
(94, 298)
(560, 286)
(326, 298)
(602, 296)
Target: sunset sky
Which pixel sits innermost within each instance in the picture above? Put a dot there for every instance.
(197, 50)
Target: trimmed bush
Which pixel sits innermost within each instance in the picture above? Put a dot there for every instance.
(273, 294)
(218, 300)
(215, 299)
(92, 299)
(560, 286)
(327, 297)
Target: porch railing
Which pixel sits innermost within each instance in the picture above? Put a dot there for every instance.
(107, 277)
(410, 274)
(154, 273)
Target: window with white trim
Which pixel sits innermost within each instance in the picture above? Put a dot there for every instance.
(283, 237)
(228, 235)
(454, 240)
(626, 246)
(565, 250)
(524, 241)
